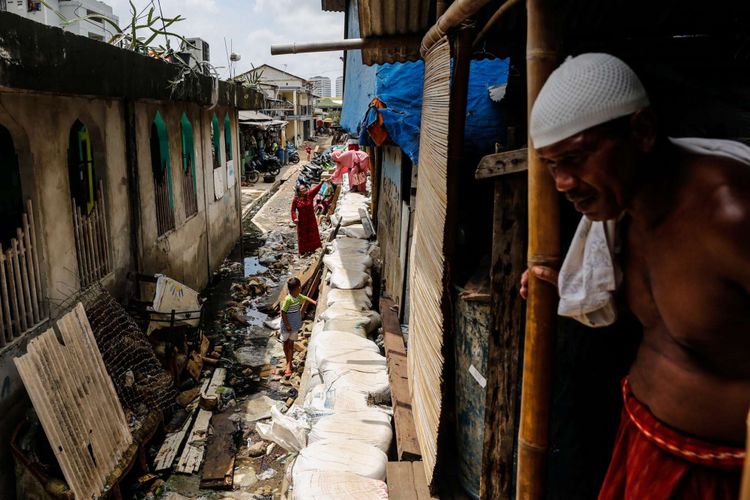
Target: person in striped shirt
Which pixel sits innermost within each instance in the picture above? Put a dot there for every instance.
(291, 319)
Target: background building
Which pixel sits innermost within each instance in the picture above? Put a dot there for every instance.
(68, 9)
(199, 51)
(321, 86)
(339, 86)
(288, 97)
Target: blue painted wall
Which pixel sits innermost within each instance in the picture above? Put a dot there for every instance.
(360, 80)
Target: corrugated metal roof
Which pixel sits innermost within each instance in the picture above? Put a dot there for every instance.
(334, 5)
(393, 17)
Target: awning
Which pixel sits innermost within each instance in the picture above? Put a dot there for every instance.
(264, 125)
(254, 116)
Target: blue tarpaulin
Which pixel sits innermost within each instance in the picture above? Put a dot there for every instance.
(399, 86)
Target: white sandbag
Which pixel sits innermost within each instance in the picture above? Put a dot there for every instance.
(371, 426)
(344, 279)
(326, 401)
(342, 456)
(374, 384)
(343, 360)
(346, 243)
(369, 320)
(330, 341)
(347, 261)
(333, 485)
(356, 327)
(354, 231)
(285, 431)
(359, 298)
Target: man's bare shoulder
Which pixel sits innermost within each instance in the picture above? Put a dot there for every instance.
(718, 196)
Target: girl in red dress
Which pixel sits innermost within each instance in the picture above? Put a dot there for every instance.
(303, 214)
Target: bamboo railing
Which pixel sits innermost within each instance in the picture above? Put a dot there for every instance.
(22, 304)
(92, 241)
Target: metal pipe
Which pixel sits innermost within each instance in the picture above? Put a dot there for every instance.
(381, 42)
(458, 12)
(505, 7)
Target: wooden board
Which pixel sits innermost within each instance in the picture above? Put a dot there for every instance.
(304, 279)
(507, 162)
(406, 481)
(209, 393)
(76, 403)
(192, 455)
(171, 446)
(407, 445)
(218, 472)
(506, 332)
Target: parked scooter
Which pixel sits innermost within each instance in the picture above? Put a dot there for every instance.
(311, 173)
(251, 173)
(292, 154)
(268, 164)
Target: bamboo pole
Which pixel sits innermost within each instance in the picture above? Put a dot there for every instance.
(5, 297)
(458, 12)
(381, 42)
(35, 255)
(544, 249)
(24, 276)
(30, 269)
(18, 286)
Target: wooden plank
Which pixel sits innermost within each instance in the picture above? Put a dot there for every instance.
(304, 278)
(420, 482)
(192, 455)
(19, 286)
(210, 396)
(400, 480)
(25, 278)
(218, 472)
(171, 446)
(364, 217)
(506, 331)
(13, 297)
(507, 162)
(6, 300)
(407, 445)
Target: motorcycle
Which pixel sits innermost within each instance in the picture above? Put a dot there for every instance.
(268, 164)
(292, 154)
(251, 173)
(311, 174)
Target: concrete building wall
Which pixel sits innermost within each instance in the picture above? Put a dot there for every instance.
(40, 126)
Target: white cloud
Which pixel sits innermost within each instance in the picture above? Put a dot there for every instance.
(250, 27)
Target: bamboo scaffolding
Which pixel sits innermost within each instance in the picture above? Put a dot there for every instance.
(544, 249)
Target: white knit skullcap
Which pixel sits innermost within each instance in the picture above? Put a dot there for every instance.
(586, 90)
(352, 142)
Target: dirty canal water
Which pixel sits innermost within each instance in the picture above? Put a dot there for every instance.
(239, 304)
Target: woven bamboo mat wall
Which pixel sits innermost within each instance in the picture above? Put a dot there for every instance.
(425, 358)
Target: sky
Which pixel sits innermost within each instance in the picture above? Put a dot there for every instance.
(250, 27)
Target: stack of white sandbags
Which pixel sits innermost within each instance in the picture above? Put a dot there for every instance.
(346, 450)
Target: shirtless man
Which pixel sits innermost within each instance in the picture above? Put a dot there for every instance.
(686, 275)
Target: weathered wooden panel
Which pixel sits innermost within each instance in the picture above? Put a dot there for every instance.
(508, 263)
(389, 222)
(76, 403)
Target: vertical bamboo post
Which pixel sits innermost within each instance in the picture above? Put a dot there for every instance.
(544, 249)
(5, 297)
(16, 271)
(35, 256)
(745, 486)
(24, 277)
(30, 269)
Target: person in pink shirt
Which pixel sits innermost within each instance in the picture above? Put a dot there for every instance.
(356, 164)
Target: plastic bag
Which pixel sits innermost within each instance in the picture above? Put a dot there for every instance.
(342, 456)
(285, 431)
(322, 400)
(332, 485)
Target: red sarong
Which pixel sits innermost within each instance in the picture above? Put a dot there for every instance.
(653, 461)
(308, 236)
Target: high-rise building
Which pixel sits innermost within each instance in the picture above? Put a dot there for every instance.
(72, 10)
(321, 86)
(340, 86)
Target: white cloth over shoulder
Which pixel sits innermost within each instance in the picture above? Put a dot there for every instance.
(589, 275)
